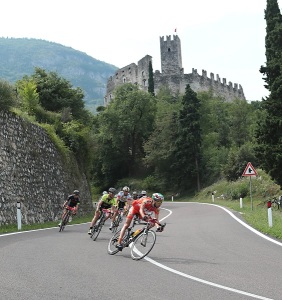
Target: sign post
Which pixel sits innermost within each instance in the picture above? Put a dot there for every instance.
(250, 171)
(19, 215)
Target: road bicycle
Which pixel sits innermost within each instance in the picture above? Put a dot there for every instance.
(118, 220)
(275, 203)
(66, 218)
(100, 223)
(141, 241)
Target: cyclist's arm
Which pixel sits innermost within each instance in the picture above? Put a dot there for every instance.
(141, 211)
(99, 205)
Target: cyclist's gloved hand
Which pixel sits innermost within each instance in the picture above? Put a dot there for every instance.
(161, 228)
(145, 218)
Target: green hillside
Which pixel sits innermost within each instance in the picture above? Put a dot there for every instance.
(19, 57)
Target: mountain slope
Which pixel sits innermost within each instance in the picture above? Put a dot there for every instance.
(19, 57)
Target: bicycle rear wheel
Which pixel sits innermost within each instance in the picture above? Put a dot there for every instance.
(112, 249)
(275, 205)
(143, 244)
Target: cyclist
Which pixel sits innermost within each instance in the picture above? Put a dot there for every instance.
(134, 196)
(71, 203)
(143, 194)
(123, 202)
(140, 207)
(107, 201)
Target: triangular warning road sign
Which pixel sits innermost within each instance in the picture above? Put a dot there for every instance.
(249, 170)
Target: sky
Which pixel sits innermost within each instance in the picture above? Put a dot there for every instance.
(220, 36)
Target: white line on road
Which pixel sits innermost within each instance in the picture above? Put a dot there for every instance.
(205, 281)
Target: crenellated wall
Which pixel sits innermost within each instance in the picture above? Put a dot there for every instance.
(172, 75)
(35, 173)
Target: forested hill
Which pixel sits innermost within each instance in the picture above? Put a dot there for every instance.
(19, 57)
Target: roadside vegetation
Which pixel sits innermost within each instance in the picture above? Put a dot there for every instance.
(188, 145)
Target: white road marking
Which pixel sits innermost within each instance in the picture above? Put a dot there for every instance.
(180, 273)
(209, 282)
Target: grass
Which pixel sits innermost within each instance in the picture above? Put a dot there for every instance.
(25, 227)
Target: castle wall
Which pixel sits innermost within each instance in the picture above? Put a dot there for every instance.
(33, 172)
(173, 76)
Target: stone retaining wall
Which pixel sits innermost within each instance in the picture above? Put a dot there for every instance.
(35, 173)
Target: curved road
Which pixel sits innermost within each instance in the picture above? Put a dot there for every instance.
(204, 253)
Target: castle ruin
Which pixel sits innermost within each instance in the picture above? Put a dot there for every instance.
(172, 75)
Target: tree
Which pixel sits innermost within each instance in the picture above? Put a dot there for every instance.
(56, 93)
(7, 95)
(151, 86)
(159, 148)
(124, 127)
(187, 153)
(29, 96)
(273, 43)
(269, 148)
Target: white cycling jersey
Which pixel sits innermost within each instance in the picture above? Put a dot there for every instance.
(123, 198)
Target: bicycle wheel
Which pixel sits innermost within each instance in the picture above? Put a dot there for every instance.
(112, 250)
(143, 244)
(97, 229)
(64, 222)
(116, 224)
(275, 205)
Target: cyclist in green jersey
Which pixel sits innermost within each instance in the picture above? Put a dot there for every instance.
(107, 201)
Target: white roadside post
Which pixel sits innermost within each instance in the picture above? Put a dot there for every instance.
(171, 197)
(241, 202)
(269, 212)
(212, 197)
(19, 215)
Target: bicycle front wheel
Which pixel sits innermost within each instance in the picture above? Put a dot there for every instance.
(143, 244)
(97, 230)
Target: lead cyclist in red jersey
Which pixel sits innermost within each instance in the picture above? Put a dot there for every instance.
(140, 207)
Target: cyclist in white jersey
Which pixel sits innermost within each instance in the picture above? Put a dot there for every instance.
(124, 200)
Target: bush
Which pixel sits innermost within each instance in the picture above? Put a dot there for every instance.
(7, 95)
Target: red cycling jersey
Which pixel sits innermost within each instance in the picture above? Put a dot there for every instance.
(146, 203)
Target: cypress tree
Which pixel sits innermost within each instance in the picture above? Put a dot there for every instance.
(269, 148)
(151, 86)
(188, 142)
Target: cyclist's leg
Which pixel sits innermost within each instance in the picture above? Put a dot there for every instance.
(94, 220)
(114, 212)
(127, 223)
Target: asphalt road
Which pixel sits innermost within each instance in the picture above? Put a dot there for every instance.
(204, 253)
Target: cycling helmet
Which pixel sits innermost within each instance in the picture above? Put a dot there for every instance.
(126, 189)
(158, 197)
(105, 192)
(112, 190)
(134, 193)
(76, 192)
(144, 193)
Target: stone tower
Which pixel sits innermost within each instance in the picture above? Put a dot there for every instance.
(171, 60)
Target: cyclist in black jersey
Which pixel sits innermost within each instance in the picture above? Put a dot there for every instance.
(72, 202)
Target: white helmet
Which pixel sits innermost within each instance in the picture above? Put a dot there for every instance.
(144, 193)
(126, 189)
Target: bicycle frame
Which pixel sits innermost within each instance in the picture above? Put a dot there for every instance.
(66, 217)
(100, 223)
(141, 242)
